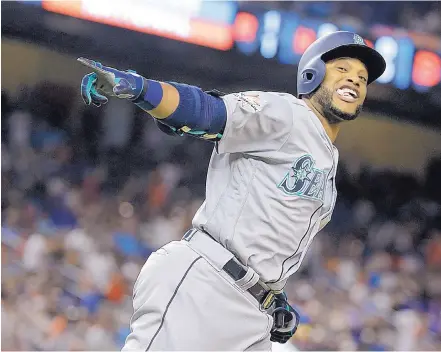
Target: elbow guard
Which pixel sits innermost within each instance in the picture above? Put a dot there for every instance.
(199, 114)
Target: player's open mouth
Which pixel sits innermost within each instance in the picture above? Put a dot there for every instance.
(347, 94)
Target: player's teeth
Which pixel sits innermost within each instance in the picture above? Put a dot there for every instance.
(347, 92)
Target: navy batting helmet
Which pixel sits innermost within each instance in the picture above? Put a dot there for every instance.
(312, 69)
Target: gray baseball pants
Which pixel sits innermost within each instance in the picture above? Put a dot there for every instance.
(183, 300)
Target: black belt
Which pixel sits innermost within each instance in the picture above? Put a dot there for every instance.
(237, 271)
(263, 296)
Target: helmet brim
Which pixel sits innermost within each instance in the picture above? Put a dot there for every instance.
(372, 59)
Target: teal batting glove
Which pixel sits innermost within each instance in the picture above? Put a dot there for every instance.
(106, 82)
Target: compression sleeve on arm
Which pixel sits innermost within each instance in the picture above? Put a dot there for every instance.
(198, 113)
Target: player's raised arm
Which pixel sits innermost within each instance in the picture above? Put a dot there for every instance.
(177, 107)
(243, 122)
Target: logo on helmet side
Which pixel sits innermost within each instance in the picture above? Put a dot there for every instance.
(358, 40)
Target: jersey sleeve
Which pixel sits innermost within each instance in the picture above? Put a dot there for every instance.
(256, 122)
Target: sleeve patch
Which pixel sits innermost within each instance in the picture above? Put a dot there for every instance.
(249, 101)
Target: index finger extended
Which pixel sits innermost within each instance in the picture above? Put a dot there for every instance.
(94, 65)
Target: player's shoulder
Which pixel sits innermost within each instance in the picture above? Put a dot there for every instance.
(291, 99)
(262, 98)
(297, 106)
(274, 96)
(266, 94)
(270, 102)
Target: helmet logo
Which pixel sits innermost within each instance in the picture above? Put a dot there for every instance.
(358, 39)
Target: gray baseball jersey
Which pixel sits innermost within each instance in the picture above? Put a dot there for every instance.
(270, 183)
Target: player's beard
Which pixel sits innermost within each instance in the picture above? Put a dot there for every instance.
(323, 97)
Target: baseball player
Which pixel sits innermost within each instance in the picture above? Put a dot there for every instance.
(270, 188)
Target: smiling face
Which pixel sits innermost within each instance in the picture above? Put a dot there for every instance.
(343, 90)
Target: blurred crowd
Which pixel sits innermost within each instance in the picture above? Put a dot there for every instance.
(88, 194)
(417, 16)
(373, 276)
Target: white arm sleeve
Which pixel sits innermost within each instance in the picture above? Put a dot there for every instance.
(256, 122)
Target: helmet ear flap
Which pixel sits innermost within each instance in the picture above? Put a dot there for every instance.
(307, 76)
(311, 76)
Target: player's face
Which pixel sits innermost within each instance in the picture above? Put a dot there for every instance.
(343, 91)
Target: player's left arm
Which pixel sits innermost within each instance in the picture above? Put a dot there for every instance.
(177, 108)
(193, 112)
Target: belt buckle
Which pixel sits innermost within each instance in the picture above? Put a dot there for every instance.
(268, 300)
(189, 234)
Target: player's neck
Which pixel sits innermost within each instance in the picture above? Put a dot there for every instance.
(330, 129)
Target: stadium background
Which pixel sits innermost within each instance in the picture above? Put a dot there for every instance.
(88, 193)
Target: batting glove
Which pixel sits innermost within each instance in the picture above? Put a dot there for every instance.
(286, 320)
(106, 82)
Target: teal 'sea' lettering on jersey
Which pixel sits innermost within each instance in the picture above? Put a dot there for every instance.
(304, 180)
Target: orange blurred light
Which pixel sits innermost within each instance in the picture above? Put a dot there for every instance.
(426, 69)
(209, 34)
(204, 33)
(245, 27)
(369, 43)
(303, 38)
(70, 8)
